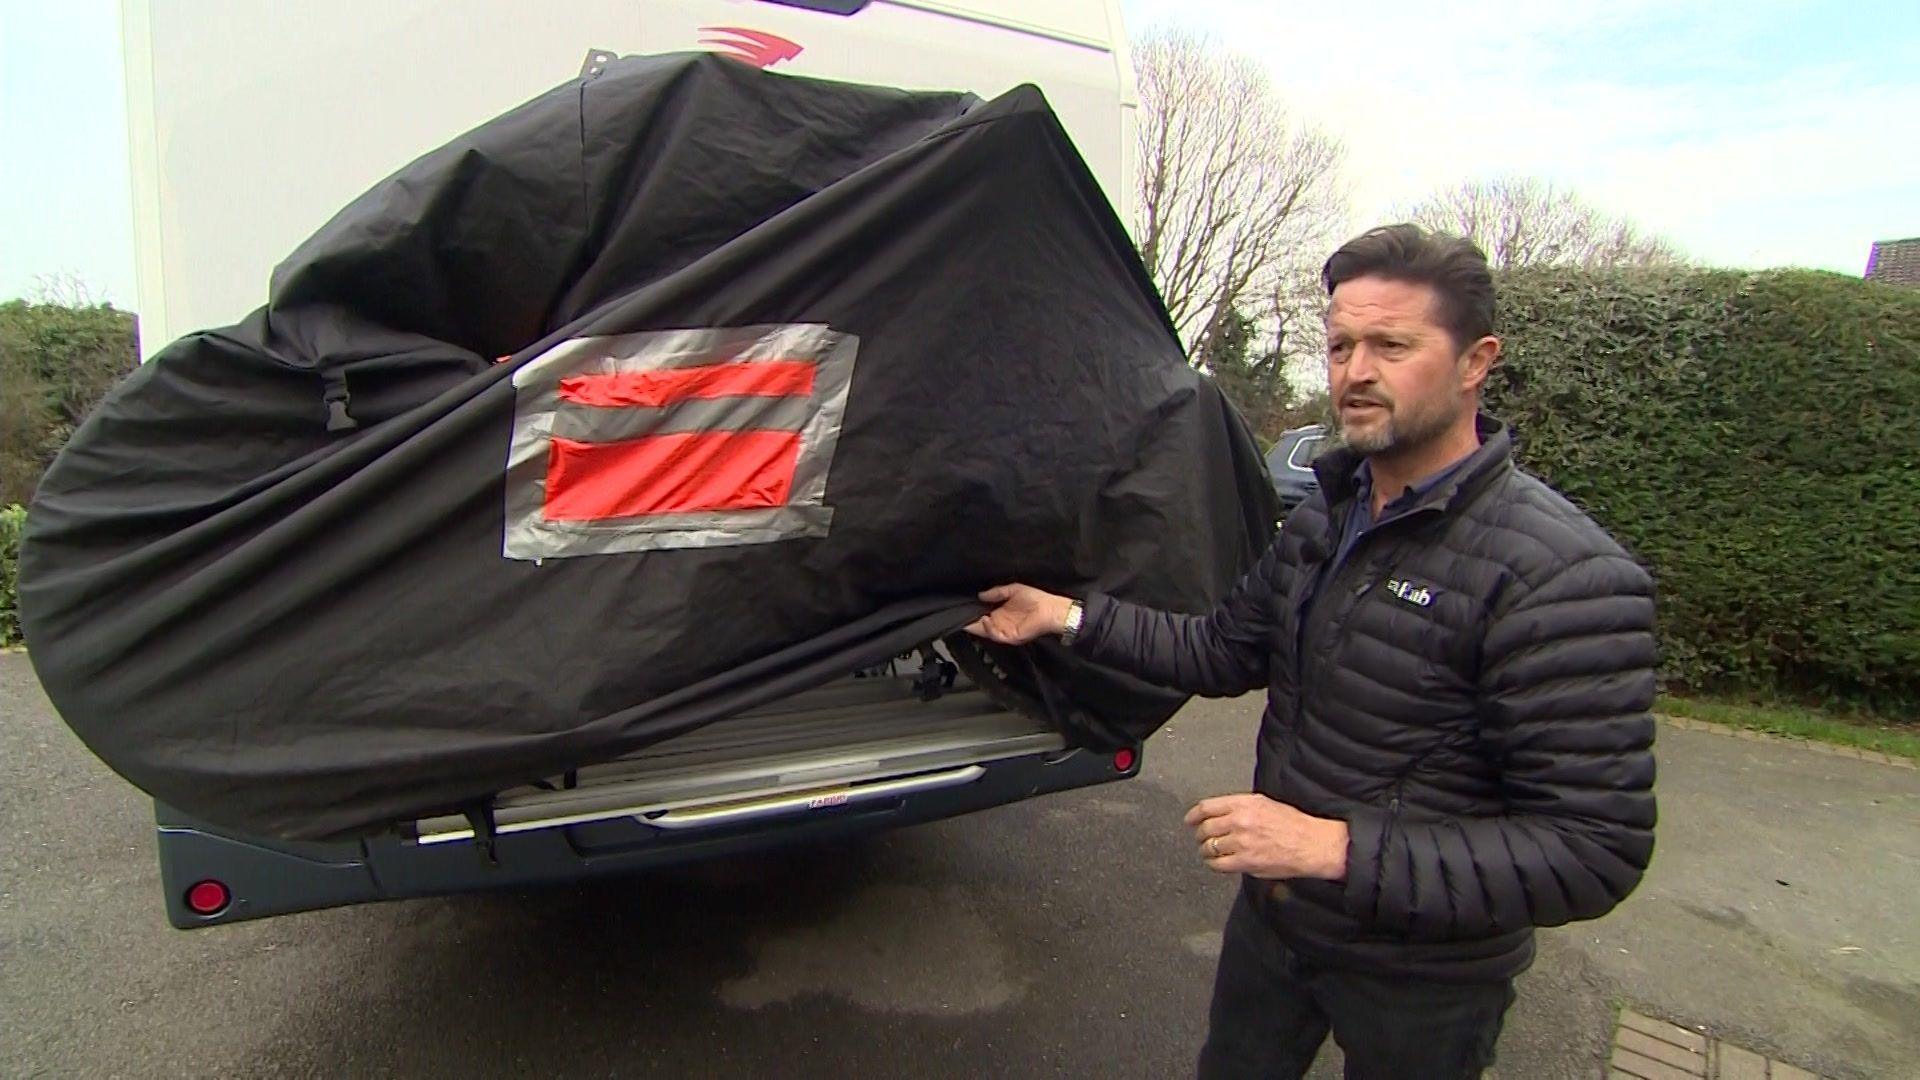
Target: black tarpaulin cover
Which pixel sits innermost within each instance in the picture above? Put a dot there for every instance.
(673, 391)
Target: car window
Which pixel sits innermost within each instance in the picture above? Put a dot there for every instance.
(1306, 450)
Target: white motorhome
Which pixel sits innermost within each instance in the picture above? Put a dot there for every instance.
(252, 121)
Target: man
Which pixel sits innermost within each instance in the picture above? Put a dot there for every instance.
(1459, 665)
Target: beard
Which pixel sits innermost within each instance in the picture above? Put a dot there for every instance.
(1401, 428)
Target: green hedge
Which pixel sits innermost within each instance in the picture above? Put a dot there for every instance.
(13, 521)
(56, 362)
(1753, 438)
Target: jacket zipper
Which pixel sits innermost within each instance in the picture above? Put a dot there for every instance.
(1372, 575)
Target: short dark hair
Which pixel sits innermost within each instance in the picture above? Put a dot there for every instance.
(1453, 266)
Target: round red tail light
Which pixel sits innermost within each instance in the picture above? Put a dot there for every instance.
(1123, 760)
(208, 898)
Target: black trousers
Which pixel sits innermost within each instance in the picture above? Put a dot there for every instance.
(1272, 1010)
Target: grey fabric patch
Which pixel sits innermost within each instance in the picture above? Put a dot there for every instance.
(585, 423)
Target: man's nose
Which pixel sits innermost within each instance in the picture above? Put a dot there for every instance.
(1362, 366)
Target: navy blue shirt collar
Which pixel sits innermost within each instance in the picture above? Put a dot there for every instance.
(1419, 489)
(1359, 514)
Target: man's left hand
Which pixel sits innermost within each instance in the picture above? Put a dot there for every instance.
(1252, 834)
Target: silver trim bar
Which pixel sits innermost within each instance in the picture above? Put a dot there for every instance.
(735, 810)
(733, 813)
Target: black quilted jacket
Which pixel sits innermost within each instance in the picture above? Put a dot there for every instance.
(1470, 694)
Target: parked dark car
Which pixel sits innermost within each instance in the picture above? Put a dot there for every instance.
(1291, 463)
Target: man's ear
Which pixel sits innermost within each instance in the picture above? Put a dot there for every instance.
(1477, 361)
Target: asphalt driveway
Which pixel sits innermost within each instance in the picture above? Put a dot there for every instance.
(1067, 936)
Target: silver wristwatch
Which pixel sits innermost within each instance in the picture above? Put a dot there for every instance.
(1076, 614)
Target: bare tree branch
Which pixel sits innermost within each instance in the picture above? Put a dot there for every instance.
(1526, 222)
(65, 289)
(1232, 189)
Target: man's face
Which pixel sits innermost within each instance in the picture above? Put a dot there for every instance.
(1398, 382)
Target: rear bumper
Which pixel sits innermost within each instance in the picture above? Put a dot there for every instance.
(265, 877)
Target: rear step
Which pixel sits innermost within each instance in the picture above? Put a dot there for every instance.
(853, 741)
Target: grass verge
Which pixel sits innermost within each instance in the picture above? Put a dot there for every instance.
(1799, 722)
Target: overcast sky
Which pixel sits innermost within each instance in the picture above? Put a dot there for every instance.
(1762, 133)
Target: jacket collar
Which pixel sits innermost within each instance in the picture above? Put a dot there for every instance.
(1336, 469)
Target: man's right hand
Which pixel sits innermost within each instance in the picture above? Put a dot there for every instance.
(1021, 614)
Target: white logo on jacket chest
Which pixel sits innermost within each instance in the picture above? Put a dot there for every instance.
(1417, 595)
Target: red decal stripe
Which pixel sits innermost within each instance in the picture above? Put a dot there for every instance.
(664, 386)
(666, 474)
